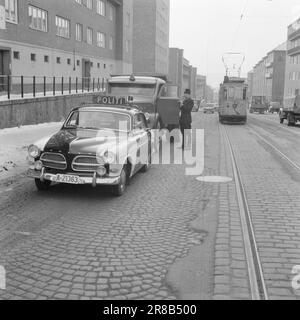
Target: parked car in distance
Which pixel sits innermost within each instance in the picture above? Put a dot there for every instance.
(274, 107)
(209, 108)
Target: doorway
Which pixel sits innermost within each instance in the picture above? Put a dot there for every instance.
(86, 71)
(4, 68)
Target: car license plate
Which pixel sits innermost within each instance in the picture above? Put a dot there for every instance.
(69, 179)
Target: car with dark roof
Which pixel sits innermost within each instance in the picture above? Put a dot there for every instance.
(98, 144)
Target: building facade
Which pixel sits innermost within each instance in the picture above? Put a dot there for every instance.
(70, 38)
(201, 87)
(151, 24)
(181, 73)
(292, 74)
(250, 84)
(268, 78)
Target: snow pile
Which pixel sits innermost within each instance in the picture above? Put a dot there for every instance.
(14, 143)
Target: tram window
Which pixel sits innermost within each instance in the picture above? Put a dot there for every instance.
(231, 93)
(225, 94)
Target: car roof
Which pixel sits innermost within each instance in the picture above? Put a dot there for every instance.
(126, 109)
(138, 80)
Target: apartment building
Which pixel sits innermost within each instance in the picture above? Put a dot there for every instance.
(70, 38)
(151, 24)
(201, 87)
(269, 75)
(181, 73)
(292, 74)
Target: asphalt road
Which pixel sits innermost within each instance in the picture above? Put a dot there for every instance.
(169, 237)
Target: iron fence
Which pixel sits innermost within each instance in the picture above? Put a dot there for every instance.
(12, 87)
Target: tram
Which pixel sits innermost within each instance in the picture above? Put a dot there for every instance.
(233, 102)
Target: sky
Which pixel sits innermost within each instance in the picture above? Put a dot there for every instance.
(207, 29)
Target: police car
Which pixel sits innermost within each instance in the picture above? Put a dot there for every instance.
(104, 143)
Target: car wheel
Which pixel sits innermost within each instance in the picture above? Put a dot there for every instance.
(42, 185)
(119, 189)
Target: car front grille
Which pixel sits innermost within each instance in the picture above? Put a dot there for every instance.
(85, 163)
(54, 161)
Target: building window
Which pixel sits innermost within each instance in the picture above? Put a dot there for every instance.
(89, 35)
(91, 64)
(101, 7)
(89, 4)
(104, 66)
(111, 43)
(17, 55)
(127, 19)
(111, 10)
(98, 65)
(58, 60)
(69, 61)
(33, 57)
(79, 32)
(100, 39)
(127, 45)
(46, 59)
(78, 63)
(11, 11)
(62, 27)
(38, 19)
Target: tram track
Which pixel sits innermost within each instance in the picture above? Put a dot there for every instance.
(280, 153)
(255, 272)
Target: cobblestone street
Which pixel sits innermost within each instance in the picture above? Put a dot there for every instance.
(169, 237)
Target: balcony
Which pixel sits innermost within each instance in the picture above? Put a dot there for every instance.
(269, 64)
(293, 51)
(294, 35)
(269, 75)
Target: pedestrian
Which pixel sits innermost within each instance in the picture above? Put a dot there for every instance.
(186, 119)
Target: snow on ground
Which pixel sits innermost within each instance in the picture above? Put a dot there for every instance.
(14, 143)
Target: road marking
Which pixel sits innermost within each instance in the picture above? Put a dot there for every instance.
(255, 272)
(215, 179)
(23, 233)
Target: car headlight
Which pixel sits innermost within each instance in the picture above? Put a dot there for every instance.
(109, 157)
(101, 171)
(33, 151)
(38, 165)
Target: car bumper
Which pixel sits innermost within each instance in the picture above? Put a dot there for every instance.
(94, 181)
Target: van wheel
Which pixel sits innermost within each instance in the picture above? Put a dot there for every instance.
(119, 189)
(42, 185)
(290, 120)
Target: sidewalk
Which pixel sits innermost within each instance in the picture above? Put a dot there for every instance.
(14, 143)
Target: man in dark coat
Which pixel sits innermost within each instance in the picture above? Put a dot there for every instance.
(186, 119)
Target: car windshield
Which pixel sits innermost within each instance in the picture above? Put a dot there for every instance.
(132, 89)
(98, 120)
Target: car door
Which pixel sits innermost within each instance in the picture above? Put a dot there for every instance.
(168, 108)
(140, 138)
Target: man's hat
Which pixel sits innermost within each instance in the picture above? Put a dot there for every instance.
(187, 91)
